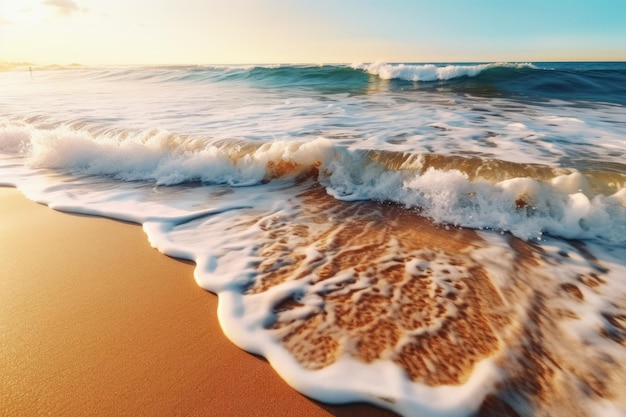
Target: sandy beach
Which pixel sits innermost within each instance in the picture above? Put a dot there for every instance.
(96, 322)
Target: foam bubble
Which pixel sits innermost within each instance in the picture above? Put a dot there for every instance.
(14, 137)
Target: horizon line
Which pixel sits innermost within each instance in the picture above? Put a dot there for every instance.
(77, 64)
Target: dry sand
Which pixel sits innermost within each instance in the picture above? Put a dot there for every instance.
(93, 321)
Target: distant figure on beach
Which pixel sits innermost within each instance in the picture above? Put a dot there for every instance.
(30, 69)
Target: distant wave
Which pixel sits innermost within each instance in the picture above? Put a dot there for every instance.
(596, 82)
(432, 72)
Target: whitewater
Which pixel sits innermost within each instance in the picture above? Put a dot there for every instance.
(425, 237)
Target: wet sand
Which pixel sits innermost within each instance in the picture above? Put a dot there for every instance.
(93, 321)
(396, 286)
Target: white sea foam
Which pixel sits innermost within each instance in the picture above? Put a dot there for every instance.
(563, 205)
(526, 207)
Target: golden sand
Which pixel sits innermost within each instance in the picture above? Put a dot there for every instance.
(93, 321)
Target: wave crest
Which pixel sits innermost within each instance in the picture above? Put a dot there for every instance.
(432, 72)
(524, 199)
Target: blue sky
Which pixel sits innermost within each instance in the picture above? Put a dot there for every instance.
(261, 31)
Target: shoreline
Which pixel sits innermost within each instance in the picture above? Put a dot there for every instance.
(97, 322)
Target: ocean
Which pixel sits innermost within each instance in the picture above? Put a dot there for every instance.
(435, 239)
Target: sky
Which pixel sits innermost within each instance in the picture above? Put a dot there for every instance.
(186, 32)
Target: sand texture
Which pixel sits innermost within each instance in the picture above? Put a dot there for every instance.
(96, 322)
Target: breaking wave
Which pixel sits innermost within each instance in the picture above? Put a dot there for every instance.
(524, 199)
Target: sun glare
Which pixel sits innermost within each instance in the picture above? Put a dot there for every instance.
(14, 12)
